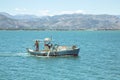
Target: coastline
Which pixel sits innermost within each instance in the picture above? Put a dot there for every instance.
(60, 29)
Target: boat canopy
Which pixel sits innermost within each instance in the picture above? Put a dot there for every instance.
(47, 39)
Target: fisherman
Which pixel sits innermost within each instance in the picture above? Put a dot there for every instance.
(49, 45)
(37, 45)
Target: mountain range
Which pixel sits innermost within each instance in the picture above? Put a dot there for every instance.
(60, 22)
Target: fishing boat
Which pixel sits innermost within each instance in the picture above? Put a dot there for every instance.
(51, 49)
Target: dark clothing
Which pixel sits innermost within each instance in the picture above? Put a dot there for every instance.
(37, 45)
(49, 45)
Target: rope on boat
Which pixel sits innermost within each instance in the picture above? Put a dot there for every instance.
(48, 54)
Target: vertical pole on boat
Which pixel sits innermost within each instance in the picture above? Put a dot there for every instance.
(51, 38)
(50, 49)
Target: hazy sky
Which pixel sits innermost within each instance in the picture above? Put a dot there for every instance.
(56, 7)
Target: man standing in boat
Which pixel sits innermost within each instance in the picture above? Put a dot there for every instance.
(37, 45)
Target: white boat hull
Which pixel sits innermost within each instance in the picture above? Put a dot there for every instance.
(72, 52)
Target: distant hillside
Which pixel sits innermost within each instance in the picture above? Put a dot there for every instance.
(60, 22)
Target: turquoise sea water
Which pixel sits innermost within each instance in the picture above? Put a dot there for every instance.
(99, 57)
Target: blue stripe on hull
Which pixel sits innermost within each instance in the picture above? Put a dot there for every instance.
(69, 52)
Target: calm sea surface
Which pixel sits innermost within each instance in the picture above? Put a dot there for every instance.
(99, 57)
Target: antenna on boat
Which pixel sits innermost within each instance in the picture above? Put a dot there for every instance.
(51, 38)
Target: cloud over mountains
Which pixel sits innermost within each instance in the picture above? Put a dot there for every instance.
(46, 12)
